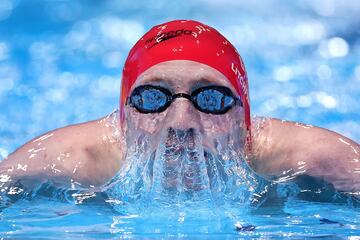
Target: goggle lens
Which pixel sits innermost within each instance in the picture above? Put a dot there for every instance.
(213, 101)
(149, 100)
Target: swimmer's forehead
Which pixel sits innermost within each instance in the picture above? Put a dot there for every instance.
(182, 75)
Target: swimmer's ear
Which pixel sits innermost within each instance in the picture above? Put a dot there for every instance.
(254, 140)
(123, 124)
(248, 147)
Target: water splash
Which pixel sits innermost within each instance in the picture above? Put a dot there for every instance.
(181, 172)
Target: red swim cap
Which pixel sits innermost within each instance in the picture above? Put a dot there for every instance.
(186, 40)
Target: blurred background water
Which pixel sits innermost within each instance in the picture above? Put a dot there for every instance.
(61, 61)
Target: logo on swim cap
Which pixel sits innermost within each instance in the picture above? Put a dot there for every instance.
(185, 40)
(166, 36)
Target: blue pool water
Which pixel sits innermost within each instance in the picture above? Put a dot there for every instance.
(44, 217)
(60, 64)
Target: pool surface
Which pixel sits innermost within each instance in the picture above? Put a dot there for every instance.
(89, 215)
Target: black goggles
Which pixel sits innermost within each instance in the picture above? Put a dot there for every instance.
(209, 99)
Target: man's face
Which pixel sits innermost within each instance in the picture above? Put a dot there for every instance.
(182, 145)
(183, 76)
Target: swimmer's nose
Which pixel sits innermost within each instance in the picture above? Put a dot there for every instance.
(183, 115)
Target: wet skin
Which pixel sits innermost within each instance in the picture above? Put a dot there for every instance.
(89, 154)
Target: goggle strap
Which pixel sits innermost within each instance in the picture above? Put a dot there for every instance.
(239, 101)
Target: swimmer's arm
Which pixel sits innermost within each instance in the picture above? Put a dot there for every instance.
(283, 148)
(85, 153)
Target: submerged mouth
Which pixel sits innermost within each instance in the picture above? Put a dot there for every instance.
(178, 137)
(181, 165)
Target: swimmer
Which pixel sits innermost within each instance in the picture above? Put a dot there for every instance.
(184, 91)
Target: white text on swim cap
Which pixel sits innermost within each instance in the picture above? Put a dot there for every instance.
(242, 81)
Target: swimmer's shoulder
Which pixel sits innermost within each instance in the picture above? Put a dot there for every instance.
(89, 153)
(290, 149)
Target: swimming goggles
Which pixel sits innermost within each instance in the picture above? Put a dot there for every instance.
(209, 99)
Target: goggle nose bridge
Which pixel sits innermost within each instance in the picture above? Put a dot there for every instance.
(181, 95)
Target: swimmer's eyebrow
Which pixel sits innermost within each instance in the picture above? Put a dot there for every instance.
(202, 82)
(195, 83)
(160, 82)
